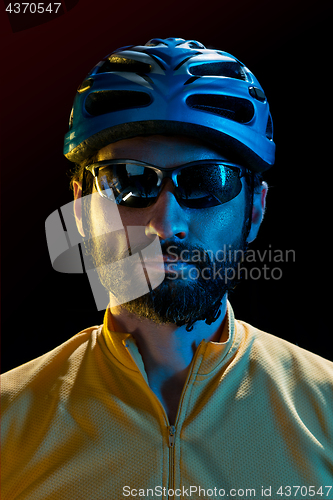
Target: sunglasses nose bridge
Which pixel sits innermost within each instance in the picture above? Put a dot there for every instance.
(168, 174)
(163, 175)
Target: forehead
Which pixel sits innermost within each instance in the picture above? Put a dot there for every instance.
(160, 150)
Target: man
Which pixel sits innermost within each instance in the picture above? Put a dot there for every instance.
(171, 397)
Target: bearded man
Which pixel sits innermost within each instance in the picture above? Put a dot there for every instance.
(171, 396)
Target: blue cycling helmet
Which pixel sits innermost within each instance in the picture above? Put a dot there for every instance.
(173, 86)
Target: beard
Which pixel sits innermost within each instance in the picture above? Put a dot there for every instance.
(180, 299)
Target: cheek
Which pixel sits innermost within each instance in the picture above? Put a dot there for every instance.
(105, 216)
(220, 225)
(106, 226)
(133, 216)
(116, 228)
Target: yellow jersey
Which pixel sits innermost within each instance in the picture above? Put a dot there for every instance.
(255, 420)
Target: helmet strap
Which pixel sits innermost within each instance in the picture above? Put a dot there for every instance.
(212, 316)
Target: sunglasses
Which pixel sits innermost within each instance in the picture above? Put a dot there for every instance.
(199, 184)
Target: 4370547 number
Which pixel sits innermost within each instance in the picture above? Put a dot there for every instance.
(304, 491)
(32, 8)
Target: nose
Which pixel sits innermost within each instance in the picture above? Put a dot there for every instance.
(167, 217)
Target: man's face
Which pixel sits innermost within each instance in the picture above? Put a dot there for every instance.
(201, 247)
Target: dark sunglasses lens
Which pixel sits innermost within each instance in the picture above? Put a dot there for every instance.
(205, 186)
(132, 185)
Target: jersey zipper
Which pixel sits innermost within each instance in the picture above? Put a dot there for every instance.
(172, 431)
(172, 428)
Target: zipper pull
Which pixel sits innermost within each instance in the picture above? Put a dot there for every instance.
(172, 431)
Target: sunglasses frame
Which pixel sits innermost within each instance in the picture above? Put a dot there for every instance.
(162, 173)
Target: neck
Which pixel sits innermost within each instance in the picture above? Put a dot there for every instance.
(167, 350)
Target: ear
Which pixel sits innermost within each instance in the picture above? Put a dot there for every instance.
(77, 205)
(258, 210)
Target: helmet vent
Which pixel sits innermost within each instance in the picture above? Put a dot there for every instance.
(269, 128)
(116, 63)
(226, 69)
(108, 101)
(234, 108)
(155, 42)
(156, 59)
(182, 62)
(71, 117)
(191, 80)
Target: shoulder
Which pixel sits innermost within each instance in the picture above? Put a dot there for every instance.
(286, 363)
(41, 373)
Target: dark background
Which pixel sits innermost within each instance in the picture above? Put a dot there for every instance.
(285, 44)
